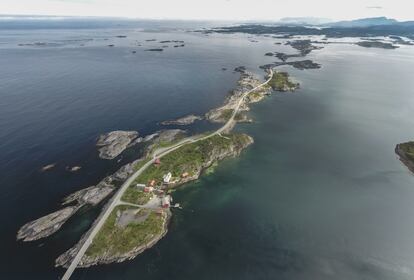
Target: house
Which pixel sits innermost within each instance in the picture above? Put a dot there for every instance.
(166, 201)
(185, 175)
(157, 161)
(167, 177)
(152, 183)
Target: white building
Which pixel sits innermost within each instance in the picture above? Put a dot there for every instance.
(167, 177)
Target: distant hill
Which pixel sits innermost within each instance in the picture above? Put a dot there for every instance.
(304, 21)
(364, 22)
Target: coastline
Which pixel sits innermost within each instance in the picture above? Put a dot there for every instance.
(249, 90)
(403, 157)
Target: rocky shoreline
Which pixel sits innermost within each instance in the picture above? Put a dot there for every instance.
(405, 151)
(186, 120)
(93, 195)
(114, 143)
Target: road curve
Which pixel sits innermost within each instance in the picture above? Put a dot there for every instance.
(157, 154)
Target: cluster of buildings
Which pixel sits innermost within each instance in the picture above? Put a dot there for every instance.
(159, 190)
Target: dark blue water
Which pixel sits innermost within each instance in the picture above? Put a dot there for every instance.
(320, 195)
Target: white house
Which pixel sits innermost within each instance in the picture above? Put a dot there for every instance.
(167, 177)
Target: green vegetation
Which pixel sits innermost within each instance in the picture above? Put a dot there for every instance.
(281, 82)
(136, 196)
(255, 96)
(226, 114)
(408, 149)
(114, 240)
(239, 116)
(191, 158)
(140, 164)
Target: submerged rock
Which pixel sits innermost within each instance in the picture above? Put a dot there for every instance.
(48, 167)
(73, 168)
(114, 143)
(240, 69)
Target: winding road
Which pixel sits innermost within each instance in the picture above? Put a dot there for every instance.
(159, 153)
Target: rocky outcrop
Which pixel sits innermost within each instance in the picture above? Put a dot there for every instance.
(303, 46)
(49, 224)
(183, 121)
(92, 195)
(114, 143)
(46, 225)
(48, 167)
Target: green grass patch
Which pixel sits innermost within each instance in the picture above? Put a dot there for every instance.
(190, 158)
(255, 95)
(136, 196)
(114, 240)
(226, 114)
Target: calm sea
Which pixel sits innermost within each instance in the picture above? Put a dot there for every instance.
(320, 195)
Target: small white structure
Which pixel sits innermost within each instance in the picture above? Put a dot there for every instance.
(167, 177)
(141, 186)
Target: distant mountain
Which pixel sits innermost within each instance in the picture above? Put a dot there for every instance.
(364, 22)
(304, 21)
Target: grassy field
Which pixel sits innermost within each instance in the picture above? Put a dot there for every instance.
(136, 196)
(281, 82)
(114, 240)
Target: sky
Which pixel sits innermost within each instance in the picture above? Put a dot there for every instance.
(213, 9)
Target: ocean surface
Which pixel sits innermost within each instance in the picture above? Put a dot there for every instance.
(320, 194)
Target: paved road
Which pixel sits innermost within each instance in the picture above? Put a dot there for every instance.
(159, 153)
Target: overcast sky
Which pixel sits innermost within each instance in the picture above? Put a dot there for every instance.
(214, 9)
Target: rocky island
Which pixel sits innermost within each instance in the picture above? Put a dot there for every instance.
(377, 44)
(282, 82)
(114, 143)
(186, 120)
(406, 153)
